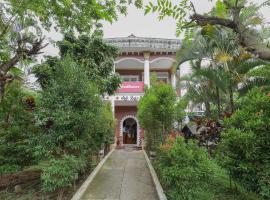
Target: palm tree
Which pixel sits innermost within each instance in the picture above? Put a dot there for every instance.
(199, 87)
(230, 67)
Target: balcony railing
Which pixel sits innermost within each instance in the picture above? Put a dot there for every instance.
(131, 87)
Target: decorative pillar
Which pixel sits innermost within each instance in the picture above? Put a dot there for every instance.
(147, 68)
(173, 80)
(113, 106)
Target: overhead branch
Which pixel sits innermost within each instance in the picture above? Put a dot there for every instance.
(22, 52)
(203, 20)
(248, 37)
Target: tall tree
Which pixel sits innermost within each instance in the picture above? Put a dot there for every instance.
(92, 53)
(71, 115)
(227, 63)
(22, 24)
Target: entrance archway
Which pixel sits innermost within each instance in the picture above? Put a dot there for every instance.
(129, 130)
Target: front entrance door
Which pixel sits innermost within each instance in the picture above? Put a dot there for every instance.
(130, 131)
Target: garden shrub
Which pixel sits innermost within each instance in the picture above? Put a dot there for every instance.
(61, 173)
(185, 170)
(245, 143)
(75, 122)
(16, 128)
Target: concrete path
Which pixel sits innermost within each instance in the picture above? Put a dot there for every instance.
(124, 176)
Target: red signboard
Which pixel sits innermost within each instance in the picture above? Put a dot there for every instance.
(131, 87)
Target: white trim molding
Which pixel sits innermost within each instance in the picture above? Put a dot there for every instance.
(141, 44)
(129, 58)
(162, 58)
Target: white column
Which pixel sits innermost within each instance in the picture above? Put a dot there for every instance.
(146, 69)
(114, 67)
(173, 80)
(113, 106)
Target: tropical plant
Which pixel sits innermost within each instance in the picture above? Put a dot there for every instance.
(226, 70)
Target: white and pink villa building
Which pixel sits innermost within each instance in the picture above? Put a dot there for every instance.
(139, 58)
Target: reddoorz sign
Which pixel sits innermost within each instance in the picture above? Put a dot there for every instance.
(131, 87)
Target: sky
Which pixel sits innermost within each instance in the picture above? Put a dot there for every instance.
(144, 26)
(148, 26)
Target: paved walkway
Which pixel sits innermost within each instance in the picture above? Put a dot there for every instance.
(124, 176)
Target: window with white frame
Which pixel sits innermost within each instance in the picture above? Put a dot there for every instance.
(130, 78)
(162, 76)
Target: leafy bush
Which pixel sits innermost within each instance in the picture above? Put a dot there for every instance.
(61, 173)
(16, 128)
(188, 173)
(245, 143)
(184, 169)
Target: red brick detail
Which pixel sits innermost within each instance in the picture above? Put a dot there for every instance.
(120, 113)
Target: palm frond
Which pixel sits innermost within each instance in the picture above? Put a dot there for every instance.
(217, 76)
(197, 49)
(245, 66)
(254, 82)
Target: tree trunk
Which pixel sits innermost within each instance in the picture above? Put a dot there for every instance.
(207, 109)
(163, 135)
(218, 102)
(2, 88)
(60, 194)
(231, 98)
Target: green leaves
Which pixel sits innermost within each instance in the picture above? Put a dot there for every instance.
(245, 142)
(16, 128)
(220, 10)
(75, 123)
(167, 8)
(185, 170)
(61, 173)
(156, 111)
(92, 53)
